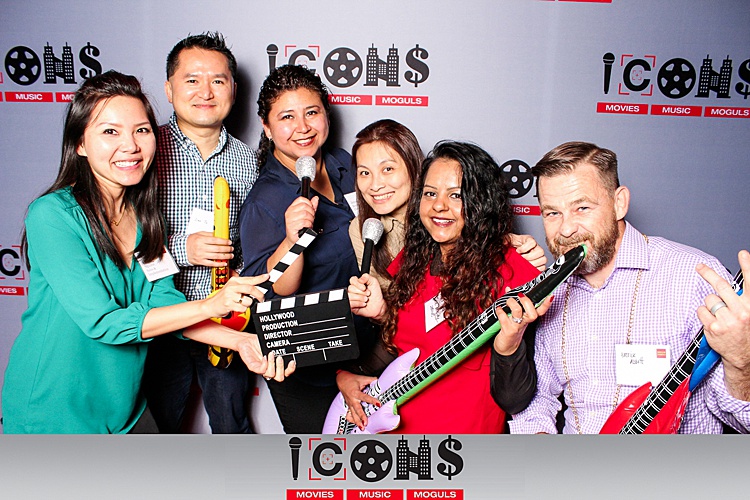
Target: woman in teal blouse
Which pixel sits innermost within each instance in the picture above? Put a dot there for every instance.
(76, 366)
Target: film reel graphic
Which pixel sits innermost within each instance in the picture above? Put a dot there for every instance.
(518, 177)
(343, 67)
(371, 461)
(676, 78)
(22, 65)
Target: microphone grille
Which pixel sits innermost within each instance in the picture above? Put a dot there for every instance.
(305, 167)
(372, 229)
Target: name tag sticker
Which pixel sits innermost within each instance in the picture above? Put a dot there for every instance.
(638, 364)
(159, 268)
(434, 313)
(351, 199)
(200, 220)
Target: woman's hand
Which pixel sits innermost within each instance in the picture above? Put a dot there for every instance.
(529, 249)
(236, 296)
(366, 297)
(271, 366)
(513, 327)
(351, 387)
(300, 215)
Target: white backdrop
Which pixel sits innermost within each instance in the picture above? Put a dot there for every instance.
(517, 77)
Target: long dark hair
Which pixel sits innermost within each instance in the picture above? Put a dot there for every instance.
(471, 270)
(403, 142)
(76, 172)
(284, 79)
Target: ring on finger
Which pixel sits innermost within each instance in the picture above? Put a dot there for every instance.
(717, 306)
(267, 378)
(517, 321)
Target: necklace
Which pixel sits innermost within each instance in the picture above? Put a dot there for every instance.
(117, 222)
(562, 346)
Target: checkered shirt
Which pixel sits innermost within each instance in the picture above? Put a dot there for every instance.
(669, 294)
(186, 182)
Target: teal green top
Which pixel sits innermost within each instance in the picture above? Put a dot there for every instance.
(76, 366)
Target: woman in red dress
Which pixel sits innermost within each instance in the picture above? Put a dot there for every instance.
(456, 261)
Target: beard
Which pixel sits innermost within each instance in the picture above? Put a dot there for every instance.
(600, 250)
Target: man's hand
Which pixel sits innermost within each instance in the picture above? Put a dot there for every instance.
(727, 329)
(204, 249)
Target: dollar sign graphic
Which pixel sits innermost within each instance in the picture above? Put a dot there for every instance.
(447, 451)
(87, 55)
(421, 70)
(743, 88)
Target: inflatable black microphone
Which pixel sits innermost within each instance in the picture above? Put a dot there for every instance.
(372, 230)
(305, 168)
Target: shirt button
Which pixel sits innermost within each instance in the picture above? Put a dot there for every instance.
(205, 196)
(595, 382)
(595, 337)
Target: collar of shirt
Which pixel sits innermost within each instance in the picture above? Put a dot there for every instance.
(334, 165)
(391, 223)
(187, 143)
(632, 254)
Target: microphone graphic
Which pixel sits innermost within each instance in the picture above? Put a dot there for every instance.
(372, 230)
(272, 50)
(295, 444)
(608, 59)
(305, 168)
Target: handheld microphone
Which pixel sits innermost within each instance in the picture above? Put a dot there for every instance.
(305, 168)
(372, 230)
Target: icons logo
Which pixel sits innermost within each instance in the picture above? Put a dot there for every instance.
(344, 68)
(677, 78)
(372, 460)
(24, 67)
(12, 271)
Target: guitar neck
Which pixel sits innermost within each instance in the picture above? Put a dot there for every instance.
(481, 329)
(679, 372)
(459, 347)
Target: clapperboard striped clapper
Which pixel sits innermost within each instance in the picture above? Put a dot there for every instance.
(306, 237)
(312, 329)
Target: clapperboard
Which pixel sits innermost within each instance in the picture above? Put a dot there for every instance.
(312, 329)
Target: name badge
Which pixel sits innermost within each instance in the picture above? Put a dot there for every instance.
(638, 364)
(351, 199)
(159, 268)
(434, 313)
(200, 220)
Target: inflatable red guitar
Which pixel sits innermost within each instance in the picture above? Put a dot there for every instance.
(660, 411)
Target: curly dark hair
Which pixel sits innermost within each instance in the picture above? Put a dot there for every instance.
(286, 78)
(471, 270)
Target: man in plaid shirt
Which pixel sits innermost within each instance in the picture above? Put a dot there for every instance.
(194, 148)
